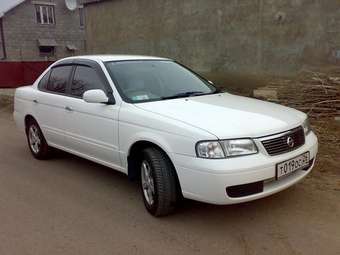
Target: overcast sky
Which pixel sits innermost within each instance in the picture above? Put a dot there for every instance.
(5, 5)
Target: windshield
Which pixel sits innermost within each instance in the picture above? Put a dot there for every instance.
(151, 80)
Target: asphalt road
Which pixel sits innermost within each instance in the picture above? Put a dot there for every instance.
(68, 205)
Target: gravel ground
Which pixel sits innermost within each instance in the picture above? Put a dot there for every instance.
(68, 205)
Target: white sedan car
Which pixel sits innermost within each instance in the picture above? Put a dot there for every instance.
(161, 123)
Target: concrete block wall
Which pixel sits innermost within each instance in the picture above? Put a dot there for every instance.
(21, 32)
(245, 37)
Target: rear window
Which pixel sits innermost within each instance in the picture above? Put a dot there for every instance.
(58, 79)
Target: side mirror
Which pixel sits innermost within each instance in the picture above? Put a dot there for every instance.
(95, 96)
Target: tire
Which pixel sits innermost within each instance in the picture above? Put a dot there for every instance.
(163, 198)
(36, 141)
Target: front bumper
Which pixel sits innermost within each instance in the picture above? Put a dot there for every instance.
(206, 180)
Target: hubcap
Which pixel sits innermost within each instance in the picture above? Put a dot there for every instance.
(147, 182)
(34, 139)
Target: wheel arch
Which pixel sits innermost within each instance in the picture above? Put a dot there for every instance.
(28, 118)
(134, 157)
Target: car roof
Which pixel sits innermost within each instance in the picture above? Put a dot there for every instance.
(108, 58)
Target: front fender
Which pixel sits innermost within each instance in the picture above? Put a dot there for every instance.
(172, 136)
(151, 137)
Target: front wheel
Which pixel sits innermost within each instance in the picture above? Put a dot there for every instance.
(158, 182)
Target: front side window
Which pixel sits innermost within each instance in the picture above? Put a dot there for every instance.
(45, 14)
(148, 80)
(58, 79)
(85, 78)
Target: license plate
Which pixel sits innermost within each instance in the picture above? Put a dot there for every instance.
(292, 165)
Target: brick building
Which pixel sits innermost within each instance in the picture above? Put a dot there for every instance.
(34, 33)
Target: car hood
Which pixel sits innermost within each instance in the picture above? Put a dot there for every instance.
(228, 116)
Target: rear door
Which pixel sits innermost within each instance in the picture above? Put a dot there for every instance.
(49, 104)
(92, 129)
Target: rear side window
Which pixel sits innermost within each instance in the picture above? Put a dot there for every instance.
(58, 79)
(44, 80)
(85, 78)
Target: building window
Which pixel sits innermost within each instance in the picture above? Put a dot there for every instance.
(45, 14)
(81, 17)
(46, 51)
(47, 47)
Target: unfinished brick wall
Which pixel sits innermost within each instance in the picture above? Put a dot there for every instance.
(244, 37)
(21, 32)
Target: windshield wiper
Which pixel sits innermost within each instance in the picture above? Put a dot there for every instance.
(185, 94)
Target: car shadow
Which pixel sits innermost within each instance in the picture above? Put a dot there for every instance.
(187, 209)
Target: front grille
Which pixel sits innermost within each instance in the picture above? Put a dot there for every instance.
(279, 144)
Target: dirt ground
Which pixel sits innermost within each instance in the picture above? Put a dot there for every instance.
(327, 174)
(68, 205)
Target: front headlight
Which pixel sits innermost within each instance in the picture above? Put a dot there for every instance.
(225, 148)
(239, 147)
(306, 127)
(209, 149)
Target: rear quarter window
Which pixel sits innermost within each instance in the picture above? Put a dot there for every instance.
(44, 81)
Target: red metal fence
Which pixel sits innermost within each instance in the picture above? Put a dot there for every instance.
(16, 74)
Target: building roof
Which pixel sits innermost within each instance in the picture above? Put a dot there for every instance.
(7, 5)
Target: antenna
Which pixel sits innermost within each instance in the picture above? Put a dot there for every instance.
(71, 4)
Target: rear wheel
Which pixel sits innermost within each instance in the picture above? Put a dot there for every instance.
(158, 182)
(36, 141)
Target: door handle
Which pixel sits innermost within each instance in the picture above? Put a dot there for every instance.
(35, 101)
(67, 108)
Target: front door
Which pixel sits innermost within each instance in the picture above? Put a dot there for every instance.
(91, 128)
